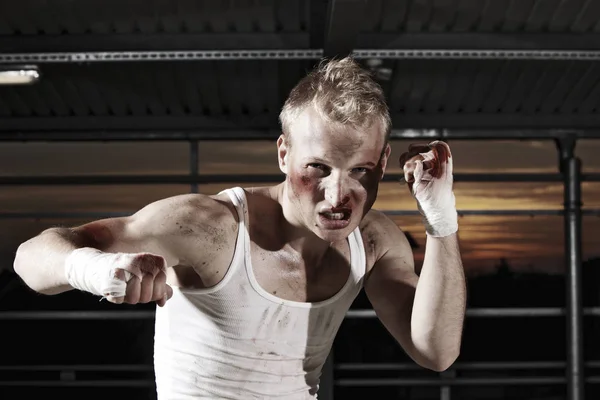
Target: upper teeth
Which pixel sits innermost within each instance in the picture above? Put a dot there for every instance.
(331, 215)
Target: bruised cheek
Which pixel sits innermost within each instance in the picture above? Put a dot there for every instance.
(302, 183)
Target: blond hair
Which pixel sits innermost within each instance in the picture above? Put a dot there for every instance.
(342, 92)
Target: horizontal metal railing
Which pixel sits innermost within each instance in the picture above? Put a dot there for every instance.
(353, 382)
(358, 366)
(111, 383)
(68, 375)
(459, 366)
(454, 381)
(499, 312)
(79, 367)
(350, 382)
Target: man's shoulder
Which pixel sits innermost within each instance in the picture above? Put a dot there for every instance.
(380, 233)
(191, 209)
(216, 208)
(378, 223)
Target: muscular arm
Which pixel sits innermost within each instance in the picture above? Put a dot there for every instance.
(172, 228)
(425, 313)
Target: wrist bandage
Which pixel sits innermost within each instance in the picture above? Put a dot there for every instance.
(94, 271)
(440, 219)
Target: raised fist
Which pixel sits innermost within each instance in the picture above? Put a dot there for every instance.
(425, 164)
(119, 277)
(428, 173)
(145, 277)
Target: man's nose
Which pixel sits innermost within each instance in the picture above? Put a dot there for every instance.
(336, 192)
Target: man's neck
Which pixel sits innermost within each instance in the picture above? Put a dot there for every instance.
(295, 234)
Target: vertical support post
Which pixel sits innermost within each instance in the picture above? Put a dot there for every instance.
(570, 167)
(194, 165)
(326, 382)
(445, 391)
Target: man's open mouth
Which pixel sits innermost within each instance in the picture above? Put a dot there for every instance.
(336, 215)
(335, 219)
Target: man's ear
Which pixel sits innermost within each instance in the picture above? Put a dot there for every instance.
(385, 156)
(282, 153)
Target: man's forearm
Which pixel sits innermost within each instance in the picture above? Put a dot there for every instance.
(40, 260)
(440, 302)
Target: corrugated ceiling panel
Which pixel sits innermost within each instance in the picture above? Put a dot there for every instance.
(494, 86)
(482, 16)
(516, 14)
(549, 74)
(248, 88)
(458, 87)
(231, 88)
(591, 102)
(584, 88)
(393, 15)
(524, 84)
(467, 15)
(39, 17)
(506, 76)
(442, 15)
(492, 16)
(589, 15)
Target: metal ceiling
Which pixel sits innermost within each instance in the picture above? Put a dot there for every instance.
(223, 68)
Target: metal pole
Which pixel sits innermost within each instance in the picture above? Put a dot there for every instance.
(194, 165)
(571, 168)
(445, 390)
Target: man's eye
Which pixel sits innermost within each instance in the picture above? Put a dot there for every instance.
(360, 170)
(317, 166)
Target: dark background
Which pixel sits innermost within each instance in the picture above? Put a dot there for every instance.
(140, 100)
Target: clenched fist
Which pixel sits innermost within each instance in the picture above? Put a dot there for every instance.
(146, 279)
(119, 277)
(428, 173)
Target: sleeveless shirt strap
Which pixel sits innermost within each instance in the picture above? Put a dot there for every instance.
(238, 198)
(359, 263)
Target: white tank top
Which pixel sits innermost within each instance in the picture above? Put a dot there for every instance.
(237, 341)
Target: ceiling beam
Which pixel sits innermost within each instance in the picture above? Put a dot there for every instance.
(153, 42)
(342, 26)
(478, 41)
(341, 37)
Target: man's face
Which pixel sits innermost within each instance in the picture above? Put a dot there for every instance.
(333, 173)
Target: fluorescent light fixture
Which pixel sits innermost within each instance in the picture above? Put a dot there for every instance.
(18, 75)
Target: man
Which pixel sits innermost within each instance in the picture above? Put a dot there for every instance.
(252, 284)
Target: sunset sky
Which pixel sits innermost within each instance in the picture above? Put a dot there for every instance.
(527, 242)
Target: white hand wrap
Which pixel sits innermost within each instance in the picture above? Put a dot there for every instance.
(94, 271)
(435, 198)
(440, 220)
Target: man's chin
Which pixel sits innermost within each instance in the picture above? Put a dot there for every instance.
(334, 235)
